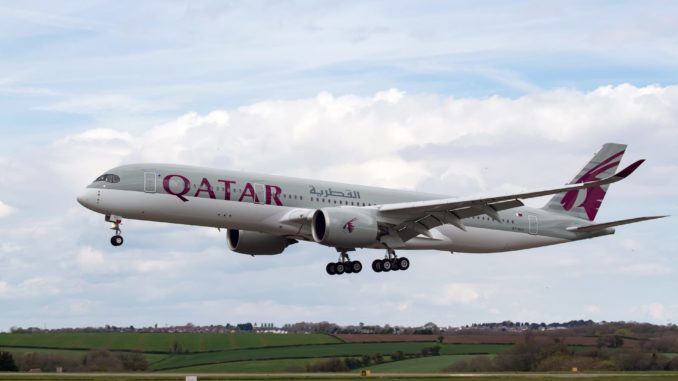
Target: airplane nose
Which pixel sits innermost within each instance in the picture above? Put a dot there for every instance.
(85, 198)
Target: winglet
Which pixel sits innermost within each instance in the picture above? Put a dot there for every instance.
(624, 173)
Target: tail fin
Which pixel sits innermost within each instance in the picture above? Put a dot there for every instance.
(585, 203)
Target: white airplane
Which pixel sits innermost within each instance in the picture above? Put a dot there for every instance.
(265, 213)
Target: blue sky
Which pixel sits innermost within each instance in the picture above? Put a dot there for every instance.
(452, 97)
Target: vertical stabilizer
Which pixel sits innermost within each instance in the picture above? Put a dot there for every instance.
(586, 202)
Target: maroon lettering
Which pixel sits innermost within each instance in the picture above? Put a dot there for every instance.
(168, 189)
(273, 193)
(205, 186)
(170, 184)
(227, 188)
(248, 191)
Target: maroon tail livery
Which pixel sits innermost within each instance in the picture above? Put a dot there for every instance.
(586, 203)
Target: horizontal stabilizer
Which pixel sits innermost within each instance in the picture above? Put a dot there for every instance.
(596, 227)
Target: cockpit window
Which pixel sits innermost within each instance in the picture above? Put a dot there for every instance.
(109, 178)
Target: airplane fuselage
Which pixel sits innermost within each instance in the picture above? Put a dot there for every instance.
(284, 206)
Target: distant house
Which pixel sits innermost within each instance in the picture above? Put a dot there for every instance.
(246, 327)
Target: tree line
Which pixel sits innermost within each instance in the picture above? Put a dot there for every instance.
(608, 355)
(350, 363)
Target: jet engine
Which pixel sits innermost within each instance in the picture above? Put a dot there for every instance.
(344, 228)
(255, 243)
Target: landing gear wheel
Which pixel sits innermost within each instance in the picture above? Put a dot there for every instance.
(340, 268)
(331, 268)
(403, 263)
(394, 264)
(117, 240)
(386, 265)
(391, 262)
(344, 265)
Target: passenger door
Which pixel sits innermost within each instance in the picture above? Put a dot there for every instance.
(533, 224)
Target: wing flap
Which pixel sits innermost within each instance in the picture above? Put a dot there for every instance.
(420, 226)
(605, 225)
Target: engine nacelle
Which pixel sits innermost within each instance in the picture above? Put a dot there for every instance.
(344, 228)
(255, 243)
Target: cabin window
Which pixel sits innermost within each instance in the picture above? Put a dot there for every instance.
(109, 178)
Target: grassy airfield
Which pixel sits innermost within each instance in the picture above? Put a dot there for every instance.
(241, 352)
(246, 356)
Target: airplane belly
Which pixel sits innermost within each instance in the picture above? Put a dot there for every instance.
(196, 211)
(479, 240)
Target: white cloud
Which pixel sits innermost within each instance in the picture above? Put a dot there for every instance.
(645, 269)
(151, 266)
(392, 138)
(36, 287)
(5, 210)
(592, 309)
(105, 103)
(96, 135)
(8, 247)
(657, 311)
(455, 293)
(94, 261)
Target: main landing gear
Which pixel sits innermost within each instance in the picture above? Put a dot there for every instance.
(117, 239)
(390, 263)
(344, 265)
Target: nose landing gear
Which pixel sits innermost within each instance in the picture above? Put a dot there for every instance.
(117, 239)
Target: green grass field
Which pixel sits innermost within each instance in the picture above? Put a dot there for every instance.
(431, 364)
(434, 364)
(71, 354)
(67, 353)
(159, 342)
(248, 353)
(316, 351)
(261, 366)
(241, 352)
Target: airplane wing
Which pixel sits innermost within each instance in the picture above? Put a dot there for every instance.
(410, 219)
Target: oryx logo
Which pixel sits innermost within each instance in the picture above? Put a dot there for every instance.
(348, 226)
(594, 195)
